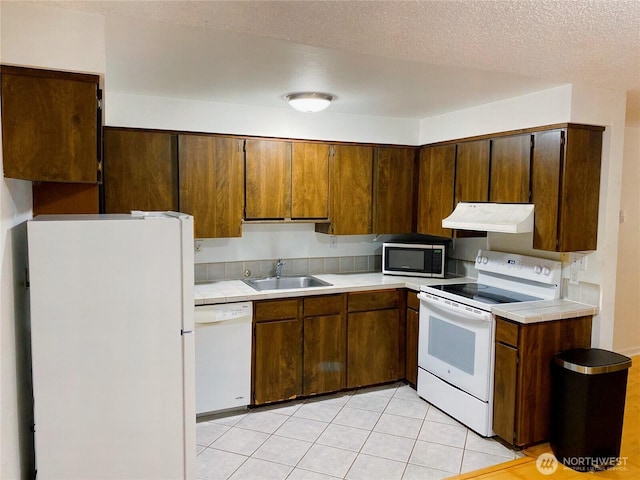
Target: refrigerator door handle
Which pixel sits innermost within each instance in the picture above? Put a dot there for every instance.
(185, 332)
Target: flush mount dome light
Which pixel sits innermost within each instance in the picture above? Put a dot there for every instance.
(309, 101)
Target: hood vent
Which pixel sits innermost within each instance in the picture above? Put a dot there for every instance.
(491, 217)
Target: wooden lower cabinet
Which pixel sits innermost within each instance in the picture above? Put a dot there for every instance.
(375, 337)
(411, 354)
(311, 345)
(277, 351)
(522, 382)
(299, 347)
(325, 346)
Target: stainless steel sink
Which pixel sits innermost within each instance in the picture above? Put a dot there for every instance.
(284, 283)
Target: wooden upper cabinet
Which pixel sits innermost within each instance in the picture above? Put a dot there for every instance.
(309, 181)
(435, 191)
(267, 179)
(50, 125)
(510, 168)
(351, 174)
(565, 180)
(211, 184)
(393, 179)
(472, 171)
(140, 172)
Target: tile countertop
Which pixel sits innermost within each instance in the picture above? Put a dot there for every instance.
(544, 311)
(229, 291)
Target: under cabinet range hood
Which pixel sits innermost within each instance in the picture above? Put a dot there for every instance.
(491, 217)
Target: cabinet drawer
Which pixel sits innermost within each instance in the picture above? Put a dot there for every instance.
(506, 332)
(378, 300)
(412, 300)
(324, 305)
(275, 310)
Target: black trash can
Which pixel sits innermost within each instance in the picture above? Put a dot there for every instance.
(588, 388)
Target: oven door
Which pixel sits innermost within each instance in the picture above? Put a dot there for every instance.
(455, 343)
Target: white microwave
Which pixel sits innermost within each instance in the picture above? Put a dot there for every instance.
(414, 260)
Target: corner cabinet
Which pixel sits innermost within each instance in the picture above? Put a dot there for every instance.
(565, 182)
(211, 184)
(51, 124)
(522, 382)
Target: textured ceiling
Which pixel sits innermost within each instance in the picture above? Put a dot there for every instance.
(391, 58)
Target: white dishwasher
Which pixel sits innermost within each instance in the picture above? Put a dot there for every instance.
(223, 356)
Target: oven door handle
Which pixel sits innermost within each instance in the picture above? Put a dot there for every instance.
(459, 309)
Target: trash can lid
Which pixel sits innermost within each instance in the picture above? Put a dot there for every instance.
(592, 361)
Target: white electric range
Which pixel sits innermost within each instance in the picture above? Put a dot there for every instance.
(457, 332)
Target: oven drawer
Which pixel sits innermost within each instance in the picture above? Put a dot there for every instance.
(506, 332)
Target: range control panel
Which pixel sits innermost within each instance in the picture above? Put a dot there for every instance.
(520, 266)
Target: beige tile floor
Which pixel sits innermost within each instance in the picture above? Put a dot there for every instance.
(376, 433)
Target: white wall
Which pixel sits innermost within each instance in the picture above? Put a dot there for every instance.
(125, 110)
(570, 103)
(37, 36)
(626, 334)
(541, 108)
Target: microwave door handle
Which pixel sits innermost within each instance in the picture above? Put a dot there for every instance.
(476, 315)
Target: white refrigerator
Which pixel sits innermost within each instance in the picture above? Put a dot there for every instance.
(113, 345)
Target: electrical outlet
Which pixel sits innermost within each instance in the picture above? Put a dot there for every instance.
(578, 261)
(198, 245)
(574, 279)
(333, 241)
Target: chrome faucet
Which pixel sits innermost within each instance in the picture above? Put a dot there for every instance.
(279, 264)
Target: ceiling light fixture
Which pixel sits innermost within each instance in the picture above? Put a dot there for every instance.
(309, 101)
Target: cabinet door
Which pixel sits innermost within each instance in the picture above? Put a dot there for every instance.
(411, 362)
(51, 198)
(545, 187)
(510, 167)
(50, 125)
(277, 360)
(310, 180)
(504, 392)
(140, 171)
(372, 347)
(580, 190)
(211, 184)
(351, 173)
(267, 179)
(324, 354)
(472, 172)
(565, 184)
(435, 191)
(393, 181)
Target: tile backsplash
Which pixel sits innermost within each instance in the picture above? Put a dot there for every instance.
(211, 272)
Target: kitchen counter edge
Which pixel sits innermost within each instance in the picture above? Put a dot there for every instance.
(230, 291)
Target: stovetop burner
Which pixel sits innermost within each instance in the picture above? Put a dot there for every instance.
(484, 293)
